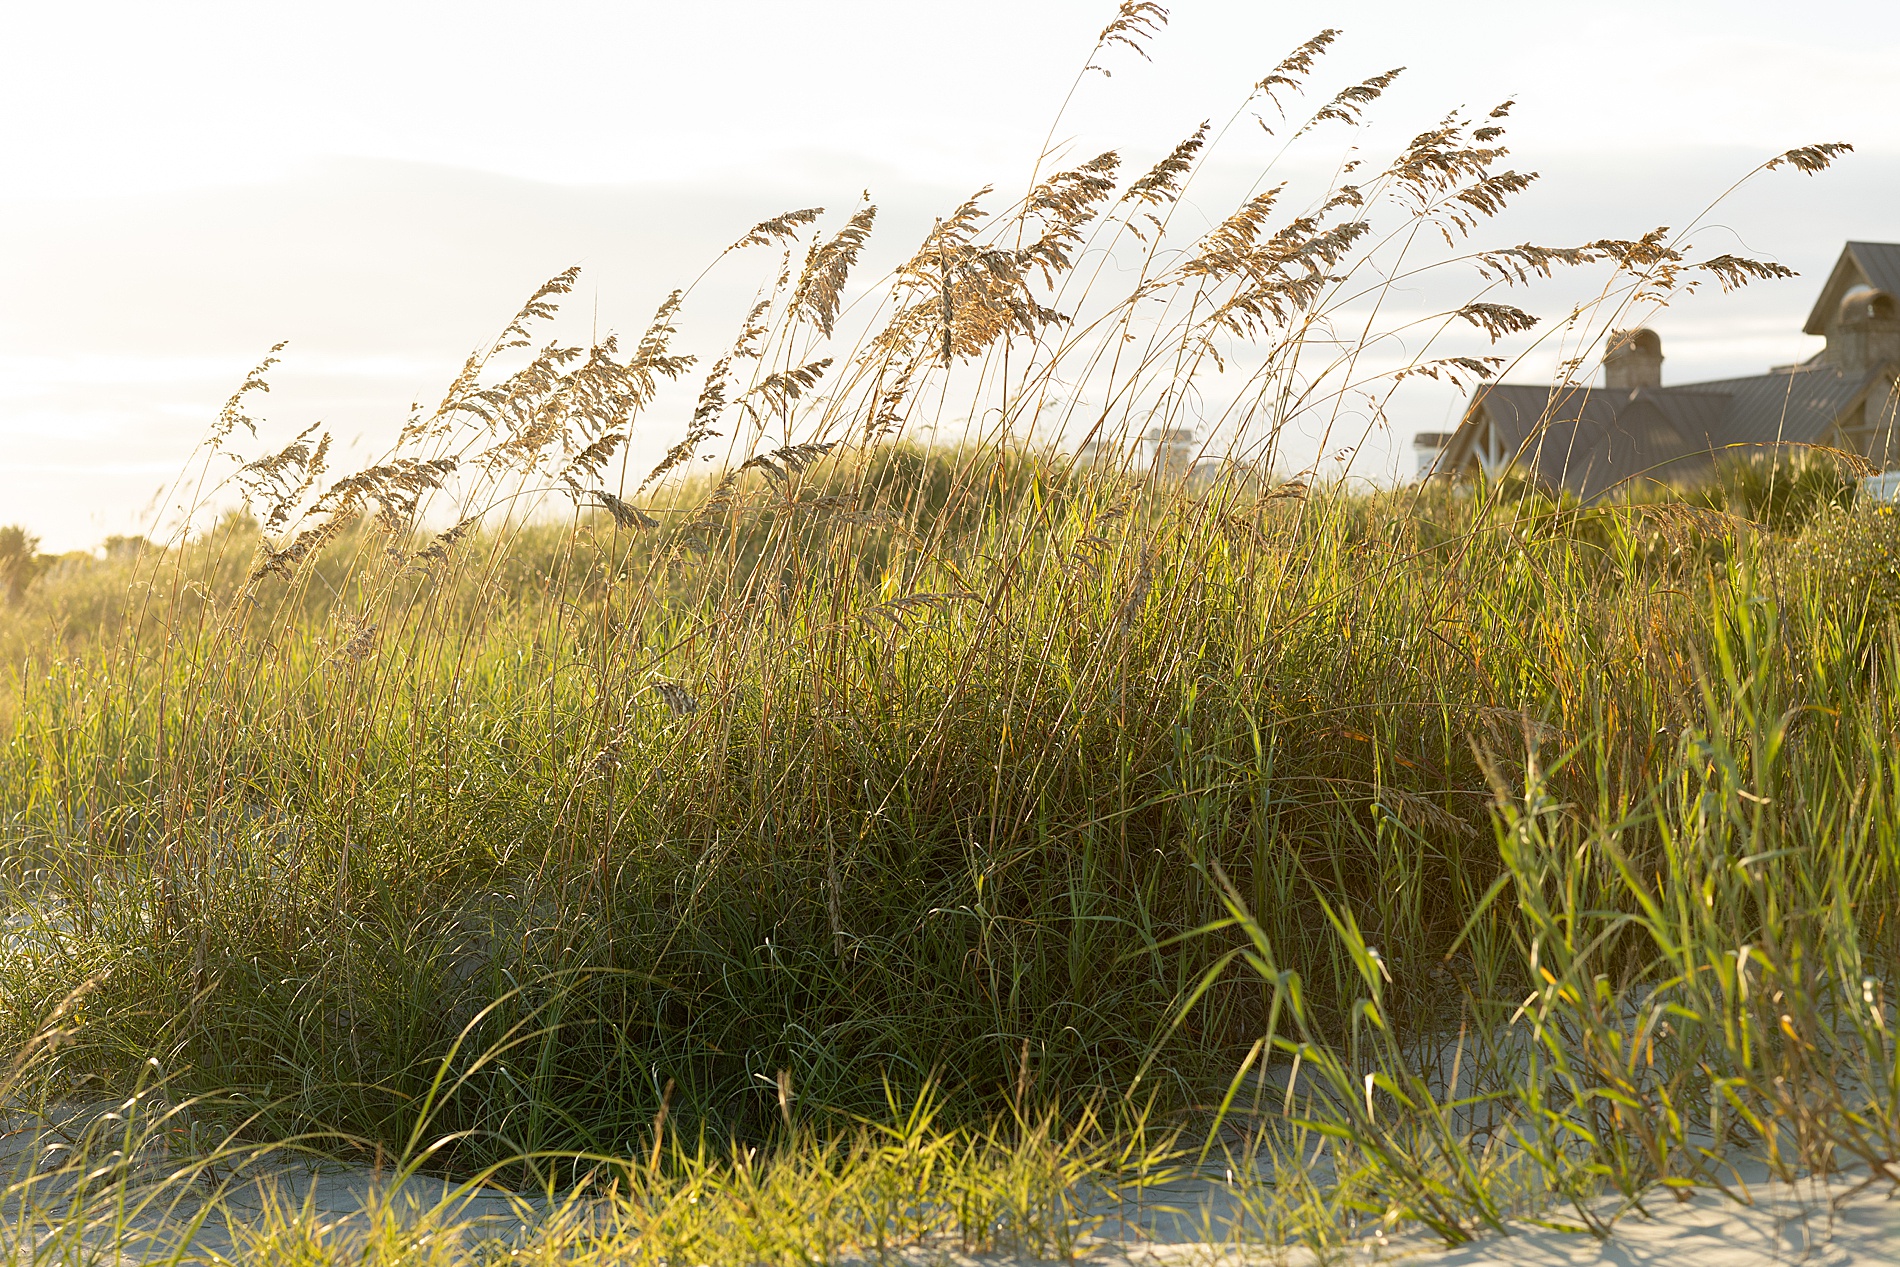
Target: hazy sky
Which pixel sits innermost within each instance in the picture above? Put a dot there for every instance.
(184, 184)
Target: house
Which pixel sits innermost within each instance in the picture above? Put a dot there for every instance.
(1594, 440)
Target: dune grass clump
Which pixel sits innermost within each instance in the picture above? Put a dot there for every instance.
(1494, 851)
(1786, 489)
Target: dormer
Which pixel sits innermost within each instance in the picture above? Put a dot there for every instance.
(1857, 312)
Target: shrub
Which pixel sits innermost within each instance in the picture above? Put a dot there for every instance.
(1854, 557)
(20, 560)
(1782, 488)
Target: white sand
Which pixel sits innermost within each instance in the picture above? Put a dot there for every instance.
(1809, 1223)
(1841, 1221)
(1837, 1223)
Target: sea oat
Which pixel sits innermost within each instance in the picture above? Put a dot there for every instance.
(779, 228)
(1135, 22)
(820, 288)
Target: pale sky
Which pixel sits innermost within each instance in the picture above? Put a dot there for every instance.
(184, 184)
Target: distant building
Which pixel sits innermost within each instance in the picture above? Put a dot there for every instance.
(1633, 429)
(1171, 452)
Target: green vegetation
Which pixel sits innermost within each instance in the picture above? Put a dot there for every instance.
(918, 834)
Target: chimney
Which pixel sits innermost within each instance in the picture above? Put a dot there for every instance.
(1634, 360)
(1866, 332)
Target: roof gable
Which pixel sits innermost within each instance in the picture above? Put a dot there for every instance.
(1536, 426)
(1875, 263)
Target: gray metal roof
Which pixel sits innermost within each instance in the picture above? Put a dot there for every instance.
(1653, 438)
(1591, 439)
(1588, 439)
(1698, 411)
(1794, 406)
(1536, 425)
